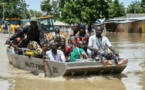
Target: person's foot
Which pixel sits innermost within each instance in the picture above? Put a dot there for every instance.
(123, 62)
(107, 62)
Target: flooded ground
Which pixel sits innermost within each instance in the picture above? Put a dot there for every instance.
(131, 46)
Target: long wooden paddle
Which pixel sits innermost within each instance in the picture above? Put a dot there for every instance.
(43, 59)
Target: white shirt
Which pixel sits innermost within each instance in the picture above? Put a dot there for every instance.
(58, 57)
(101, 44)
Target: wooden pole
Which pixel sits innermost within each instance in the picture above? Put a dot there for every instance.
(43, 59)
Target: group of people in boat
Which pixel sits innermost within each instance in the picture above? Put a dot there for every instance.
(57, 48)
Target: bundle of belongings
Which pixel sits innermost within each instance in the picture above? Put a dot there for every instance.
(34, 49)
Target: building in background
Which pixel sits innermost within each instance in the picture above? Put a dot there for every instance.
(64, 27)
(132, 23)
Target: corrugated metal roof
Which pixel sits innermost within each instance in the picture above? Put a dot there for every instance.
(124, 20)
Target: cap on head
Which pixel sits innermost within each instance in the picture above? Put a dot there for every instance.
(34, 19)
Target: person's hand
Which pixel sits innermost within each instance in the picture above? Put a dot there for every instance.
(7, 41)
(96, 51)
(78, 32)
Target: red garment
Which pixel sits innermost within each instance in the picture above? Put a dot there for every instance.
(67, 51)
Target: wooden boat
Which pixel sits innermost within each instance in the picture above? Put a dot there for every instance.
(56, 69)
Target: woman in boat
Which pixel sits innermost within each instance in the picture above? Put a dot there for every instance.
(66, 50)
(81, 34)
(99, 45)
(71, 40)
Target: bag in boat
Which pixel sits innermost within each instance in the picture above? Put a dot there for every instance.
(31, 53)
(33, 45)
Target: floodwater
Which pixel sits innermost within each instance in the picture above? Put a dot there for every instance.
(131, 46)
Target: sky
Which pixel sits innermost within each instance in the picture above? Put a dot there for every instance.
(35, 4)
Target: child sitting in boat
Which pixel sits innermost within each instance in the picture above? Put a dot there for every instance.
(65, 49)
(78, 53)
(55, 55)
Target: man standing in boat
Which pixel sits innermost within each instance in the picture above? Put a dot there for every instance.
(99, 45)
(32, 31)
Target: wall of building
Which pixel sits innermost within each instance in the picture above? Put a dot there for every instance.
(130, 27)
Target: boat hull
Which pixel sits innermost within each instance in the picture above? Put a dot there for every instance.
(56, 69)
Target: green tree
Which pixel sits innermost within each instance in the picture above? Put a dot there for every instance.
(116, 9)
(34, 13)
(55, 11)
(142, 3)
(135, 7)
(82, 11)
(111, 8)
(46, 6)
(13, 8)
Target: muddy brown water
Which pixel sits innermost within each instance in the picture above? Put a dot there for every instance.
(129, 45)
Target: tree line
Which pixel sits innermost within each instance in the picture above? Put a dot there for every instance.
(88, 11)
(72, 11)
(16, 9)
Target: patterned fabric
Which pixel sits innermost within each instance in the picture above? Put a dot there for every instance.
(33, 45)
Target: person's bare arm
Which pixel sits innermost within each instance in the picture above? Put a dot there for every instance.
(85, 55)
(90, 45)
(77, 35)
(113, 50)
